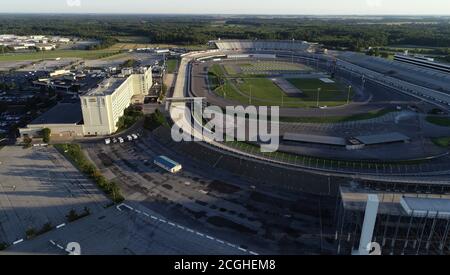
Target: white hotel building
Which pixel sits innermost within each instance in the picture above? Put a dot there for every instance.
(101, 108)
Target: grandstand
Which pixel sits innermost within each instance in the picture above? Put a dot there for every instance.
(422, 62)
(265, 45)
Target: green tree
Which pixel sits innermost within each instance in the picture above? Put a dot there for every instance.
(46, 132)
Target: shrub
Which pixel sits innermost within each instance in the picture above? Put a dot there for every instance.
(45, 228)
(46, 132)
(3, 246)
(30, 233)
(72, 216)
(154, 120)
(27, 141)
(76, 155)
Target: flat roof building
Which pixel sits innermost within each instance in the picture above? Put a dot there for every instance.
(64, 120)
(327, 140)
(383, 138)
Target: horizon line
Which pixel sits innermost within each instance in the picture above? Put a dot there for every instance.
(220, 14)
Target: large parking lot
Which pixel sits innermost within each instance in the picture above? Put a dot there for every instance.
(39, 186)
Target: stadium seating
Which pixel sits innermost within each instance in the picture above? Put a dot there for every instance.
(264, 45)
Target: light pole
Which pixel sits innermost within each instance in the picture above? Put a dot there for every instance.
(348, 96)
(293, 40)
(318, 96)
(223, 89)
(363, 81)
(250, 99)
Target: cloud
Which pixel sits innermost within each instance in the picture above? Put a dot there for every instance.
(373, 4)
(73, 3)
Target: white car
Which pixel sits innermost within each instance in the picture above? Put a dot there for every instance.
(107, 141)
(121, 140)
(134, 136)
(130, 138)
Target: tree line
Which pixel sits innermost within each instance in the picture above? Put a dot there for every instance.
(349, 33)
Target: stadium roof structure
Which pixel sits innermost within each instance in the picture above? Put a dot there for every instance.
(383, 138)
(63, 113)
(426, 207)
(328, 140)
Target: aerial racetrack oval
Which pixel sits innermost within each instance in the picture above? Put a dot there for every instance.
(283, 71)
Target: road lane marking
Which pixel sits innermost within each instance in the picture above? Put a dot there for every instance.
(61, 225)
(18, 241)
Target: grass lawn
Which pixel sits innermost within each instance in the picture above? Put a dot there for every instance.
(85, 54)
(442, 141)
(217, 70)
(263, 92)
(230, 69)
(331, 94)
(440, 121)
(336, 119)
(171, 65)
(267, 66)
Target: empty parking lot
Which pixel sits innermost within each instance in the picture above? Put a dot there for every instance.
(38, 186)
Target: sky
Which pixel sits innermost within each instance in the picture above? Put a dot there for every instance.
(287, 7)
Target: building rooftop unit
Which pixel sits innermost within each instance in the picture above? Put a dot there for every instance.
(63, 113)
(328, 140)
(426, 207)
(383, 138)
(355, 198)
(106, 87)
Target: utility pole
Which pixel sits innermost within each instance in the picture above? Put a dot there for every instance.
(348, 96)
(318, 96)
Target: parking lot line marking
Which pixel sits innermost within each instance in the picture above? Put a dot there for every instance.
(232, 245)
(183, 228)
(18, 241)
(61, 225)
(60, 247)
(52, 242)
